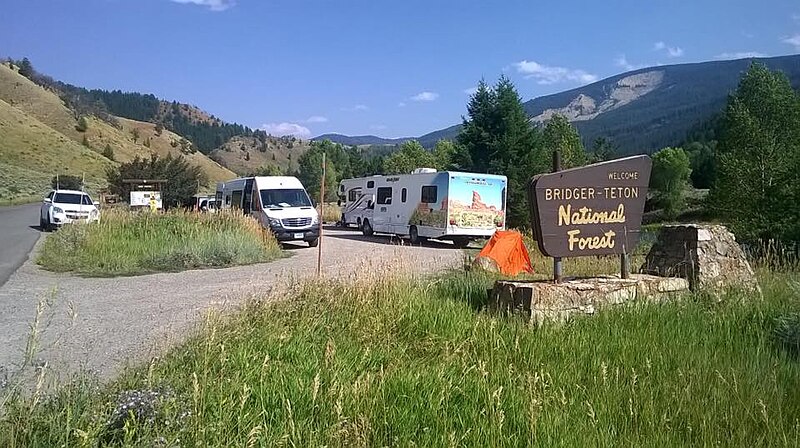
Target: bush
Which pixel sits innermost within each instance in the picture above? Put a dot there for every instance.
(66, 182)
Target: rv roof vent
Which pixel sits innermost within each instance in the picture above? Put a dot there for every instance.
(423, 170)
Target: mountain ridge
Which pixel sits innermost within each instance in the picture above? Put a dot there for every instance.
(643, 110)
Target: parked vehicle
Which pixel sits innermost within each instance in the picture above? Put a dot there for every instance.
(279, 203)
(65, 206)
(355, 195)
(446, 205)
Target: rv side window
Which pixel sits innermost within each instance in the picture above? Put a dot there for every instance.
(403, 194)
(429, 194)
(352, 196)
(236, 199)
(227, 200)
(370, 184)
(218, 197)
(384, 195)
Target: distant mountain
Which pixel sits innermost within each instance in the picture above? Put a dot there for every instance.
(644, 110)
(361, 140)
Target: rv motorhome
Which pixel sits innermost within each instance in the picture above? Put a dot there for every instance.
(279, 203)
(446, 205)
(355, 195)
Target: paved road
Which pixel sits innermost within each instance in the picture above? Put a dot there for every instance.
(101, 324)
(18, 232)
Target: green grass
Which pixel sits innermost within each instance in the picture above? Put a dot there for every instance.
(391, 362)
(125, 243)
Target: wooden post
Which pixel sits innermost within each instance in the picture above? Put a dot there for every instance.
(321, 210)
(558, 273)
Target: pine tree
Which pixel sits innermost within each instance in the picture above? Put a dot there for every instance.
(498, 138)
(559, 135)
(82, 125)
(108, 152)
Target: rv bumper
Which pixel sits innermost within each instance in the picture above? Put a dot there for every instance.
(304, 234)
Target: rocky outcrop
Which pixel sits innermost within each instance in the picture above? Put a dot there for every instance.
(626, 90)
(540, 301)
(706, 255)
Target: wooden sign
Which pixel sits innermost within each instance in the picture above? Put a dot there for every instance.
(591, 210)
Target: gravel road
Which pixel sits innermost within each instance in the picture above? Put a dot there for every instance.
(101, 324)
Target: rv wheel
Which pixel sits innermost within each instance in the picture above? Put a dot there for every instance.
(413, 235)
(366, 228)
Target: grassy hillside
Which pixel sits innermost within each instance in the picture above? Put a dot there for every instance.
(32, 152)
(39, 136)
(244, 155)
(167, 142)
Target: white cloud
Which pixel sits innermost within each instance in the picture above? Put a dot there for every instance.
(544, 74)
(214, 5)
(673, 52)
(471, 91)
(793, 40)
(796, 17)
(622, 61)
(281, 129)
(740, 55)
(425, 96)
(356, 108)
(317, 119)
(401, 104)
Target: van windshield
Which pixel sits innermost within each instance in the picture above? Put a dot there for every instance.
(282, 198)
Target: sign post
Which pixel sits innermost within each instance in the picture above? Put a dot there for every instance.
(321, 209)
(558, 273)
(591, 210)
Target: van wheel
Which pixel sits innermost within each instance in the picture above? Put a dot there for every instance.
(313, 243)
(366, 228)
(413, 235)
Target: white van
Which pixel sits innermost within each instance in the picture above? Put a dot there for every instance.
(446, 205)
(279, 203)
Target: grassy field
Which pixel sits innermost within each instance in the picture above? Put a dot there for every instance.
(125, 243)
(383, 361)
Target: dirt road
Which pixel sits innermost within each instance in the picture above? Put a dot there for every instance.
(100, 324)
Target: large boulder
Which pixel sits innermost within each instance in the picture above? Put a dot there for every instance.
(706, 255)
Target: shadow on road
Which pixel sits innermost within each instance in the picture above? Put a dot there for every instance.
(392, 240)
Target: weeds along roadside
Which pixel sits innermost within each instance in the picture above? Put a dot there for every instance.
(382, 359)
(129, 243)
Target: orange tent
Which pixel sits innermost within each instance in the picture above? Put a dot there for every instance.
(508, 251)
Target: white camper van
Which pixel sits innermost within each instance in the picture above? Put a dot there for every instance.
(445, 205)
(279, 203)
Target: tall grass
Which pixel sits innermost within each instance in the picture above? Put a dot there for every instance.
(381, 361)
(127, 243)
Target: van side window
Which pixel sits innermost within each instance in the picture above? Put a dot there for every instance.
(429, 193)
(50, 196)
(384, 195)
(370, 184)
(403, 195)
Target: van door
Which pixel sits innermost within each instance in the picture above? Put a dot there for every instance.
(247, 196)
(381, 217)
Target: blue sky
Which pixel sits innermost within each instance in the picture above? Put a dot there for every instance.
(389, 68)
